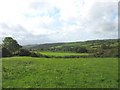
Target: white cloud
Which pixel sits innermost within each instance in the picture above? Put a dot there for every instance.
(59, 20)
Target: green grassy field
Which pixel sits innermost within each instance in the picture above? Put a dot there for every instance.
(28, 72)
(63, 54)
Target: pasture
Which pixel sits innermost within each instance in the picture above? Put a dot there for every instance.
(28, 72)
(63, 54)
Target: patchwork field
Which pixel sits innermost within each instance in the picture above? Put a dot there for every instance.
(28, 72)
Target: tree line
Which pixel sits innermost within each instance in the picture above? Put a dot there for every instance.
(10, 47)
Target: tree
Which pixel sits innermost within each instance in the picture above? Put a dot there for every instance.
(6, 52)
(11, 44)
(104, 46)
(0, 50)
(81, 50)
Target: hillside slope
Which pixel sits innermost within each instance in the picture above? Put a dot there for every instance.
(88, 44)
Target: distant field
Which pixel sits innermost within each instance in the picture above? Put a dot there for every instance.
(28, 72)
(63, 54)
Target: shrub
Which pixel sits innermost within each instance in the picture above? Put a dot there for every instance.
(107, 53)
(24, 52)
(33, 54)
(81, 50)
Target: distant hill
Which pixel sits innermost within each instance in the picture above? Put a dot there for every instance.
(92, 44)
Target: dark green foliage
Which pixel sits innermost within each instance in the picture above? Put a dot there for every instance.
(24, 52)
(0, 53)
(104, 46)
(80, 50)
(11, 44)
(113, 52)
(33, 54)
(5, 52)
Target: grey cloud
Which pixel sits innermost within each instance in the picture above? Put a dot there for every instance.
(101, 10)
(22, 35)
(44, 8)
(4, 26)
(105, 27)
(38, 5)
(103, 18)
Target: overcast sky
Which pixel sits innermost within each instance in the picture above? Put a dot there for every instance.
(50, 21)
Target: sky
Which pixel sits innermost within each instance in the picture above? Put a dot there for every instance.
(51, 21)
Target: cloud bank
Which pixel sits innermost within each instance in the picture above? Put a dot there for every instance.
(48, 21)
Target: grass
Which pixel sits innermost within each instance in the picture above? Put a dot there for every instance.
(63, 54)
(28, 72)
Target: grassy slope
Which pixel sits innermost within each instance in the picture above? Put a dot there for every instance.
(93, 44)
(43, 72)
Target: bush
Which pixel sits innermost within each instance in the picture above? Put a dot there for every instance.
(107, 53)
(81, 50)
(24, 52)
(33, 54)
